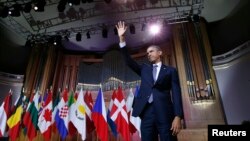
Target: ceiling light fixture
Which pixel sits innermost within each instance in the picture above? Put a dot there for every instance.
(104, 32)
(78, 37)
(57, 40)
(132, 29)
(143, 26)
(39, 6)
(5, 12)
(196, 18)
(88, 35)
(61, 6)
(66, 38)
(27, 7)
(15, 10)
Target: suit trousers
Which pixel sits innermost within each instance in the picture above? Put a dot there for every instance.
(152, 127)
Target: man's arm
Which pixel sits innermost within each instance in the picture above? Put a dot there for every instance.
(177, 101)
(121, 28)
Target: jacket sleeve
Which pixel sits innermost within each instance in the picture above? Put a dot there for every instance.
(176, 94)
(130, 62)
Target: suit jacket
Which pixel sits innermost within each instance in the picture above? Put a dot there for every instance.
(166, 90)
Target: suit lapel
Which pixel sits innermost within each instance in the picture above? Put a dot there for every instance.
(161, 73)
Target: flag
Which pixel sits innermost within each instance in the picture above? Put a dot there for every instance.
(5, 110)
(76, 95)
(14, 121)
(89, 107)
(42, 100)
(26, 105)
(62, 116)
(71, 128)
(129, 104)
(134, 122)
(100, 118)
(119, 114)
(30, 118)
(78, 115)
(45, 118)
(55, 108)
(30, 101)
(111, 123)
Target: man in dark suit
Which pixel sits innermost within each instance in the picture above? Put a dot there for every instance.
(159, 103)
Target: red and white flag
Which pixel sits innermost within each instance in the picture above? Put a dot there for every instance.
(120, 116)
(5, 111)
(45, 118)
(89, 107)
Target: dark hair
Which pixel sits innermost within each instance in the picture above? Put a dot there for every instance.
(155, 46)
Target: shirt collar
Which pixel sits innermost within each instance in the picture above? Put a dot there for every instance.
(158, 64)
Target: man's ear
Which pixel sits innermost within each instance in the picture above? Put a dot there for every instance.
(160, 52)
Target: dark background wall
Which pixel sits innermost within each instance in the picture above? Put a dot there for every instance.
(13, 56)
(232, 31)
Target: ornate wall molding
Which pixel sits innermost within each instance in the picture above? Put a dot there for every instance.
(224, 60)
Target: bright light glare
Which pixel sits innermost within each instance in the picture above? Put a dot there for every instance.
(154, 29)
(35, 8)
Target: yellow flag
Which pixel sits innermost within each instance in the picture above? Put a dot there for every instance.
(15, 118)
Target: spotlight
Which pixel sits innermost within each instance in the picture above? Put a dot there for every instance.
(78, 37)
(132, 29)
(189, 18)
(61, 6)
(66, 38)
(15, 10)
(27, 8)
(115, 31)
(196, 18)
(39, 7)
(143, 26)
(88, 35)
(70, 2)
(155, 28)
(55, 43)
(104, 32)
(51, 40)
(5, 12)
(57, 40)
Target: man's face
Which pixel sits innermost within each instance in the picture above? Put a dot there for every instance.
(154, 55)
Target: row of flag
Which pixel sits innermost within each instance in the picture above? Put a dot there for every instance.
(69, 114)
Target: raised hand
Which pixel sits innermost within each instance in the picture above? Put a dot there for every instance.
(121, 28)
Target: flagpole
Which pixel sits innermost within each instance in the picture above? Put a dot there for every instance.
(21, 129)
(39, 105)
(77, 136)
(26, 136)
(51, 92)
